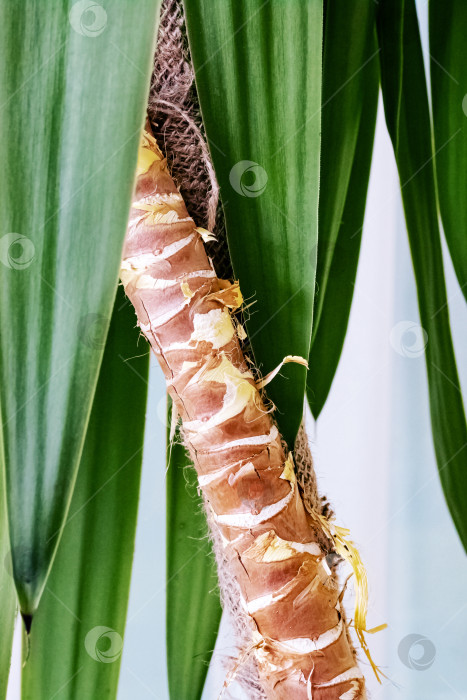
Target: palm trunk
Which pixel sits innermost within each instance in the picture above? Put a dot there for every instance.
(299, 637)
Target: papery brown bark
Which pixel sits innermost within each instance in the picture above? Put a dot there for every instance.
(299, 637)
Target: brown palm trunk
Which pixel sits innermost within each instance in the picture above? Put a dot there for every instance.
(299, 637)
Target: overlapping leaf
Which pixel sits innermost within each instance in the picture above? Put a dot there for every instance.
(258, 74)
(74, 84)
(448, 51)
(193, 608)
(7, 593)
(402, 72)
(76, 637)
(350, 96)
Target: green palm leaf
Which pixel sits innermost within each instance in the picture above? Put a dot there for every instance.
(74, 84)
(448, 29)
(7, 591)
(193, 609)
(329, 334)
(76, 639)
(258, 74)
(350, 97)
(402, 60)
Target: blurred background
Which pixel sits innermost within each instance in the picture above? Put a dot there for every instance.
(375, 462)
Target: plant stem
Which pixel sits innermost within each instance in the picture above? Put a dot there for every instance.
(273, 544)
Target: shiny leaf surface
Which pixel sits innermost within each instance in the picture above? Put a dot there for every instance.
(258, 74)
(193, 608)
(77, 633)
(350, 96)
(74, 85)
(414, 156)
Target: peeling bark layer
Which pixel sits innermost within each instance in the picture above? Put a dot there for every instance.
(299, 637)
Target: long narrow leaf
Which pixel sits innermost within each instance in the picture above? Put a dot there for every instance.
(448, 29)
(329, 334)
(7, 592)
(391, 15)
(349, 59)
(258, 74)
(350, 95)
(76, 639)
(193, 608)
(75, 78)
(414, 156)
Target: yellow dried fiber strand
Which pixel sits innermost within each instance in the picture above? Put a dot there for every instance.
(270, 376)
(206, 235)
(363, 643)
(229, 294)
(348, 551)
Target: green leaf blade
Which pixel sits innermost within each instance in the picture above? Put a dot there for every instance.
(193, 609)
(258, 73)
(7, 592)
(330, 332)
(350, 96)
(448, 29)
(89, 583)
(69, 151)
(414, 156)
(349, 60)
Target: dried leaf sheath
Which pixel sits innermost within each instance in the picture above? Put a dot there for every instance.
(300, 640)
